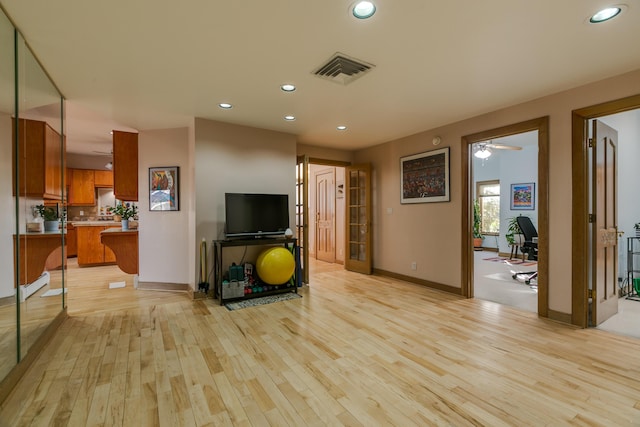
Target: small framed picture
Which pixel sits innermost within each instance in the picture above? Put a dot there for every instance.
(425, 177)
(523, 196)
(164, 188)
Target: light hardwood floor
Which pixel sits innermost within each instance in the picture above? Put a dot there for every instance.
(355, 350)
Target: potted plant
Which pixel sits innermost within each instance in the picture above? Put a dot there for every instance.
(125, 211)
(514, 235)
(50, 216)
(477, 224)
(637, 228)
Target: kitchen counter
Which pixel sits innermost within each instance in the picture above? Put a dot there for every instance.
(124, 245)
(92, 223)
(35, 248)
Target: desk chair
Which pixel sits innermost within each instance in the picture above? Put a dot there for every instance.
(529, 247)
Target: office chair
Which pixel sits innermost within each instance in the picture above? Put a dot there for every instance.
(529, 247)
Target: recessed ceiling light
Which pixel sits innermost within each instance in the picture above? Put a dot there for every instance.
(363, 9)
(225, 106)
(341, 127)
(288, 87)
(605, 14)
(289, 118)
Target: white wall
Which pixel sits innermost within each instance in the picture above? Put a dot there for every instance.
(628, 126)
(237, 159)
(164, 237)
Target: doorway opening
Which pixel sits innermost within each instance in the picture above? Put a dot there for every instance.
(537, 190)
(591, 293)
(504, 173)
(613, 302)
(327, 213)
(320, 212)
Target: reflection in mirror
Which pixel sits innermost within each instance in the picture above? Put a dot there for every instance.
(8, 304)
(40, 178)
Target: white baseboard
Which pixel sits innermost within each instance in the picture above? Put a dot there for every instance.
(29, 289)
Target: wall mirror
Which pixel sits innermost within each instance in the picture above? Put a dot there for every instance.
(40, 166)
(8, 306)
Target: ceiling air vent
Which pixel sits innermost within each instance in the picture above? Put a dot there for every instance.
(342, 69)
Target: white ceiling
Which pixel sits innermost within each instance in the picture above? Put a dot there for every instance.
(152, 64)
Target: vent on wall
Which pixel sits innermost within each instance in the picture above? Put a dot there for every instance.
(342, 69)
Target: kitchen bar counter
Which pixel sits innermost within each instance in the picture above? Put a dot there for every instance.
(124, 245)
(35, 248)
(92, 223)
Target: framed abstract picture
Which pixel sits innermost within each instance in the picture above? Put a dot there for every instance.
(164, 188)
(425, 177)
(523, 196)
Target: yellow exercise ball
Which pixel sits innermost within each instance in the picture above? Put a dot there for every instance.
(275, 266)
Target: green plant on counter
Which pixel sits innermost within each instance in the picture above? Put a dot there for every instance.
(48, 213)
(125, 210)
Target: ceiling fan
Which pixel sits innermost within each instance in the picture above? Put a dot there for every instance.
(104, 153)
(483, 149)
(109, 164)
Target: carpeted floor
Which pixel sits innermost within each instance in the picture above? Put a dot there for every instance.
(237, 305)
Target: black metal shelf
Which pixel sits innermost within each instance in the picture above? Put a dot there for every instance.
(633, 267)
(218, 249)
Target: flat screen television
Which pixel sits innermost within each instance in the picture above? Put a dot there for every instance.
(256, 215)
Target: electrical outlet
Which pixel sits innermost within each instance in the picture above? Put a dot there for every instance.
(414, 265)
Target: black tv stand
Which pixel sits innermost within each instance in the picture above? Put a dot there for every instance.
(218, 264)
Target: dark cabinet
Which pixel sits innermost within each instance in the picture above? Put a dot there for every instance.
(40, 151)
(125, 166)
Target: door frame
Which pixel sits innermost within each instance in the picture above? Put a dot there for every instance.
(541, 125)
(580, 208)
(306, 160)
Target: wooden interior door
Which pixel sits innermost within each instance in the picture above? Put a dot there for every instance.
(604, 233)
(358, 221)
(326, 215)
(302, 214)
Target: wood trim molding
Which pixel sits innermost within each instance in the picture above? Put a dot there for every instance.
(560, 317)
(541, 125)
(327, 162)
(427, 283)
(12, 378)
(580, 201)
(168, 287)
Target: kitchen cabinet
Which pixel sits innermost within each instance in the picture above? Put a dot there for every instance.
(103, 179)
(40, 152)
(81, 187)
(125, 166)
(90, 249)
(72, 241)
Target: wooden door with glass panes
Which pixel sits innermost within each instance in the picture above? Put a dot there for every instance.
(302, 215)
(358, 221)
